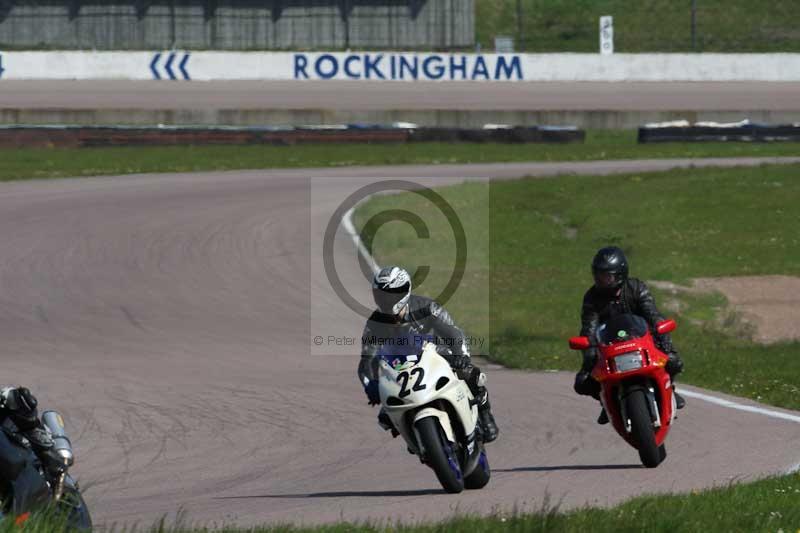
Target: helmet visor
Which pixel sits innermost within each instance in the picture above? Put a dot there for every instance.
(387, 299)
(607, 280)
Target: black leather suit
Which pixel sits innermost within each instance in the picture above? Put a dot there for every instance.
(599, 306)
(425, 317)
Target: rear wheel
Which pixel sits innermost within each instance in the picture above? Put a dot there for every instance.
(642, 429)
(662, 452)
(481, 475)
(440, 455)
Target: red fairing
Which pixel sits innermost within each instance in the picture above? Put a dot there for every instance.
(651, 372)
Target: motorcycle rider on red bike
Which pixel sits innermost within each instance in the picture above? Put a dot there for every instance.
(401, 312)
(614, 293)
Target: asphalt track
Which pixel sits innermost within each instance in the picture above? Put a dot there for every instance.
(361, 95)
(170, 318)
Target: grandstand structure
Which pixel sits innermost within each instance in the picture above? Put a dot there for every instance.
(237, 24)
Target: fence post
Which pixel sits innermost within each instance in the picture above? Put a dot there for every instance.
(172, 31)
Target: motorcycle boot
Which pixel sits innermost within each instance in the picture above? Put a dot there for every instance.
(486, 418)
(386, 423)
(674, 367)
(476, 381)
(680, 403)
(603, 418)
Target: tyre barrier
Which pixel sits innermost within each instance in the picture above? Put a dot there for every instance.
(745, 131)
(501, 134)
(20, 136)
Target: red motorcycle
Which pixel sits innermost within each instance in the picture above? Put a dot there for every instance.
(636, 390)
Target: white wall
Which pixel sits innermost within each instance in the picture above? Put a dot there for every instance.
(402, 66)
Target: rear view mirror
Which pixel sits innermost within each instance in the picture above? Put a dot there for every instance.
(666, 326)
(579, 343)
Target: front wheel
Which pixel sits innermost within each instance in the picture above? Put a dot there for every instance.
(642, 429)
(440, 455)
(479, 477)
(75, 508)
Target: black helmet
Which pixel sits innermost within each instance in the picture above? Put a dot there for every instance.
(391, 288)
(609, 268)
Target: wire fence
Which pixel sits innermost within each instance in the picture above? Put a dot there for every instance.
(534, 25)
(237, 24)
(643, 25)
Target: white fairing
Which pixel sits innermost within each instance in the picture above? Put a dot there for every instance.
(417, 384)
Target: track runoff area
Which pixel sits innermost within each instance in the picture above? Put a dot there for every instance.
(179, 304)
(376, 95)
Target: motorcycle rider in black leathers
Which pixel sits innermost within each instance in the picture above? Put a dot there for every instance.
(614, 293)
(19, 404)
(401, 312)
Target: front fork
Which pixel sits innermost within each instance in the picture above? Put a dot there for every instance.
(58, 491)
(652, 405)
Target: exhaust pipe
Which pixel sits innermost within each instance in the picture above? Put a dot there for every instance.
(61, 444)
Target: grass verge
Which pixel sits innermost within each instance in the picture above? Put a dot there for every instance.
(768, 505)
(559, 26)
(601, 144)
(542, 234)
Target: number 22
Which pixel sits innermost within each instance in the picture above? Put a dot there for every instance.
(403, 379)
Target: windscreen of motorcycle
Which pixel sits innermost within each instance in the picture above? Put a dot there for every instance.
(622, 328)
(402, 351)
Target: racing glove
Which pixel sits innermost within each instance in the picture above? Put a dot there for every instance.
(459, 362)
(674, 365)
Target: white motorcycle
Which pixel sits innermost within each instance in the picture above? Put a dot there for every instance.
(436, 414)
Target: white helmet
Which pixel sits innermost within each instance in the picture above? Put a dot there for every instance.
(391, 288)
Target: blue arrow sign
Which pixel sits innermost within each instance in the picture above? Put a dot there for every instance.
(1, 66)
(182, 66)
(153, 64)
(168, 66)
(167, 69)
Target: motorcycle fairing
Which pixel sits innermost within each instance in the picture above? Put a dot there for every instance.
(617, 385)
(425, 387)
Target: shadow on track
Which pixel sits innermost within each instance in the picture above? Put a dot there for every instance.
(343, 494)
(567, 467)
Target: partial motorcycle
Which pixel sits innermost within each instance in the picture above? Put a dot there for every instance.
(434, 411)
(636, 390)
(29, 483)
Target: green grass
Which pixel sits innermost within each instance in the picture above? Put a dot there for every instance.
(43, 520)
(56, 162)
(524, 288)
(642, 26)
(768, 505)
